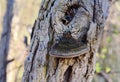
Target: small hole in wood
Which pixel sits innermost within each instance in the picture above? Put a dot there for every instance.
(70, 13)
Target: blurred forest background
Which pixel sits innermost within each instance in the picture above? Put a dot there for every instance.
(16, 20)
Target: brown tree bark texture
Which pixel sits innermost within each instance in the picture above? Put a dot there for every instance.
(40, 66)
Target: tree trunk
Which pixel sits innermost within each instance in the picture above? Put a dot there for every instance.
(5, 38)
(65, 38)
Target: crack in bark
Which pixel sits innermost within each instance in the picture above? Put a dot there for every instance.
(94, 11)
(36, 48)
(67, 74)
(33, 29)
(86, 74)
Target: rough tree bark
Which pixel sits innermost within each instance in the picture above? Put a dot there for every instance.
(5, 38)
(65, 38)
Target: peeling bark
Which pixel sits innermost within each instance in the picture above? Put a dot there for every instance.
(59, 21)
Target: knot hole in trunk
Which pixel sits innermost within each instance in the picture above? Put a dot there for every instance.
(70, 13)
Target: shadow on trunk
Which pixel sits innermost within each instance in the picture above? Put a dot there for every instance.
(5, 39)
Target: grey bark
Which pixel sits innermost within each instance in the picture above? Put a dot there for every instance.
(85, 20)
(5, 38)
